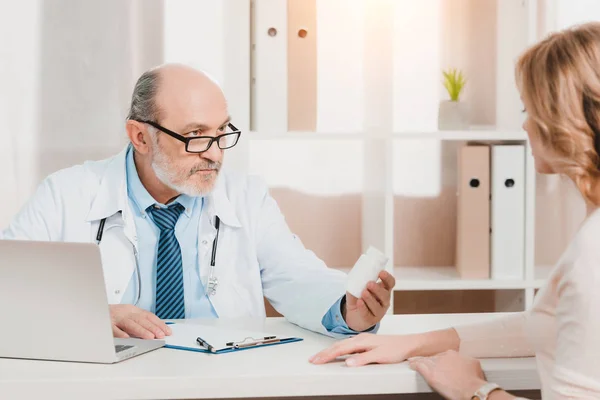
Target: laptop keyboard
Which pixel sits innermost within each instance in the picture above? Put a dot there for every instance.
(122, 347)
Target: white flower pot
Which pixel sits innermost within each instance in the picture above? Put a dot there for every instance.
(453, 116)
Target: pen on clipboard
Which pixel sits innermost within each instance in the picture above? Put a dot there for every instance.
(205, 344)
(264, 340)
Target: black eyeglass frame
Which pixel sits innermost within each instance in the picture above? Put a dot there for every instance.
(235, 132)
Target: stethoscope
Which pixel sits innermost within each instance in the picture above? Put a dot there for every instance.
(212, 283)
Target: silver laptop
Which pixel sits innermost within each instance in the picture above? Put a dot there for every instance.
(53, 305)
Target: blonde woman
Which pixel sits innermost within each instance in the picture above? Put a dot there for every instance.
(559, 82)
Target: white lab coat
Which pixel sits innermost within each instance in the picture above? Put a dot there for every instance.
(257, 254)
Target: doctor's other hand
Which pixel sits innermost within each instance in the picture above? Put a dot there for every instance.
(362, 314)
(131, 321)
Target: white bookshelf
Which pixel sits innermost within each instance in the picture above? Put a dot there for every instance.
(297, 135)
(380, 90)
(476, 134)
(488, 135)
(447, 278)
(419, 278)
(380, 231)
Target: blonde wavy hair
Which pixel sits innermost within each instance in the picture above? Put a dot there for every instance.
(559, 81)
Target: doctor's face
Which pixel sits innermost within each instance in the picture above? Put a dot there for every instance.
(192, 109)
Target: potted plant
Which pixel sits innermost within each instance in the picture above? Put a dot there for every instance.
(453, 114)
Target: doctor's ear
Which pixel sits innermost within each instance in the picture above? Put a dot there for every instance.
(137, 133)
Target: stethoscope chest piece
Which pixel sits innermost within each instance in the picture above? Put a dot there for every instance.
(213, 282)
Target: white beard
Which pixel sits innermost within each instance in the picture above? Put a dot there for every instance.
(161, 167)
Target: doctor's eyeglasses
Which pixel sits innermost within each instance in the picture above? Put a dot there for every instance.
(200, 144)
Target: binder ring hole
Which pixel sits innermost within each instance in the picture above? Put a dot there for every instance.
(302, 33)
(474, 183)
(509, 183)
(272, 32)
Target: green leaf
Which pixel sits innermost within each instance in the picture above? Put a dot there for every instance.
(454, 82)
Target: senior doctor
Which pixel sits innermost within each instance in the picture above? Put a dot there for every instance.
(181, 239)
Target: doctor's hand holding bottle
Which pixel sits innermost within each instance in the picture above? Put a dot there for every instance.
(363, 313)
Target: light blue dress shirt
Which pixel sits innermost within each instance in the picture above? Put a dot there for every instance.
(197, 303)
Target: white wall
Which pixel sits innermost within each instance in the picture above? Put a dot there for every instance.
(214, 36)
(512, 40)
(340, 93)
(469, 43)
(66, 83)
(19, 80)
(416, 65)
(199, 22)
(89, 66)
(569, 12)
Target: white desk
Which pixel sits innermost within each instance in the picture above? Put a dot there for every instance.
(276, 371)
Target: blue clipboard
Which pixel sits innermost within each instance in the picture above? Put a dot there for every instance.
(217, 340)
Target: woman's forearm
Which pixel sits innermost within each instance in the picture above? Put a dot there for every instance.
(435, 342)
(502, 336)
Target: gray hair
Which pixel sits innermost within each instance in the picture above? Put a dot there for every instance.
(143, 100)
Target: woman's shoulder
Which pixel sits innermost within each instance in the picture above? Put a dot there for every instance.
(588, 236)
(582, 257)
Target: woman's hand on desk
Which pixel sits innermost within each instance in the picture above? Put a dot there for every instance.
(380, 349)
(131, 321)
(387, 349)
(451, 374)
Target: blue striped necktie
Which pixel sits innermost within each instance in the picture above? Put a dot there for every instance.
(170, 302)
